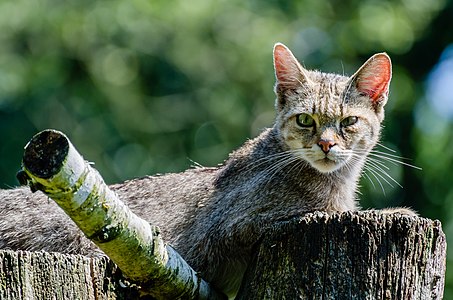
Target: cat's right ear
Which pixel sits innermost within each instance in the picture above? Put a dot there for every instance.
(289, 73)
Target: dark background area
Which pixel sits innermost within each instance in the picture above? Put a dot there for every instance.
(143, 87)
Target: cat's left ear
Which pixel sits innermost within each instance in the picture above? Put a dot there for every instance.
(373, 79)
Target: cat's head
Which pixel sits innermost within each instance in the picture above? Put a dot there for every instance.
(329, 120)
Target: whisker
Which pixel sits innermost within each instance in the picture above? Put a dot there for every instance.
(372, 172)
(392, 157)
(376, 165)
(384, 173)
(275, 169)
(380, 163)
(283, 164)
(394, 161)
(355, 158)
(385, 147)
(369, 179)
(388, 154)
(267, 159)
(298, 163)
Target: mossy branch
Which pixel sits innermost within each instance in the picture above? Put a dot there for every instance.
(52, 165)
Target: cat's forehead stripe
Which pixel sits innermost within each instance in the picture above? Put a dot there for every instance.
(327, 94)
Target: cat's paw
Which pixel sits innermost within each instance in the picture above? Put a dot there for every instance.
(399, 210)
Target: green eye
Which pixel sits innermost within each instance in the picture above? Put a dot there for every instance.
(305, 120)
(349, 121)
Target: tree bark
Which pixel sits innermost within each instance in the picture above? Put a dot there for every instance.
(41, 275)
(363, 255)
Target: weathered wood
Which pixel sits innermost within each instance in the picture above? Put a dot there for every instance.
(362, 255)
(42, 275)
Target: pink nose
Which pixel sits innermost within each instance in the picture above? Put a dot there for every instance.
(326, 145)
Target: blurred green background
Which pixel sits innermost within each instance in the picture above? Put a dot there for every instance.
(144, 87)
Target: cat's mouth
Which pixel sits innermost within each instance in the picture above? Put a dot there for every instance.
(326, 164)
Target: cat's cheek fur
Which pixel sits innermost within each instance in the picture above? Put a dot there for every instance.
(294, 138)
(369, 133)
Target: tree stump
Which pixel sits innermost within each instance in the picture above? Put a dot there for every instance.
(363, 255)
(42, 275)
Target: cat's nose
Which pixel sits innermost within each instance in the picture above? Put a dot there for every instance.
(326, 145)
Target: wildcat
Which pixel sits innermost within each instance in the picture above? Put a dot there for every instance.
(310, 159)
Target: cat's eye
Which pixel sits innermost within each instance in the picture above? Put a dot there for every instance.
(349, 121)
(305, 120)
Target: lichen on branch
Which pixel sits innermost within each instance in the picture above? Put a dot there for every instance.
(52, 165)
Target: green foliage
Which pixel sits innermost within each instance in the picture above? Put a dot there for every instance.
(144, 87)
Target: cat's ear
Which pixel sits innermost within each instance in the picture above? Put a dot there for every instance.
(288, 72)
(373, 78)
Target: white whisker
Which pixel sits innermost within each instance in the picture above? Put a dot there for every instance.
(369, 179)
(394, 160)
(267, 159)
(380, 163)
(376, 167)
(372, 172)
(386, 148)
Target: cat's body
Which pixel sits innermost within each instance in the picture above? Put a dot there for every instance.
(311, 159)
